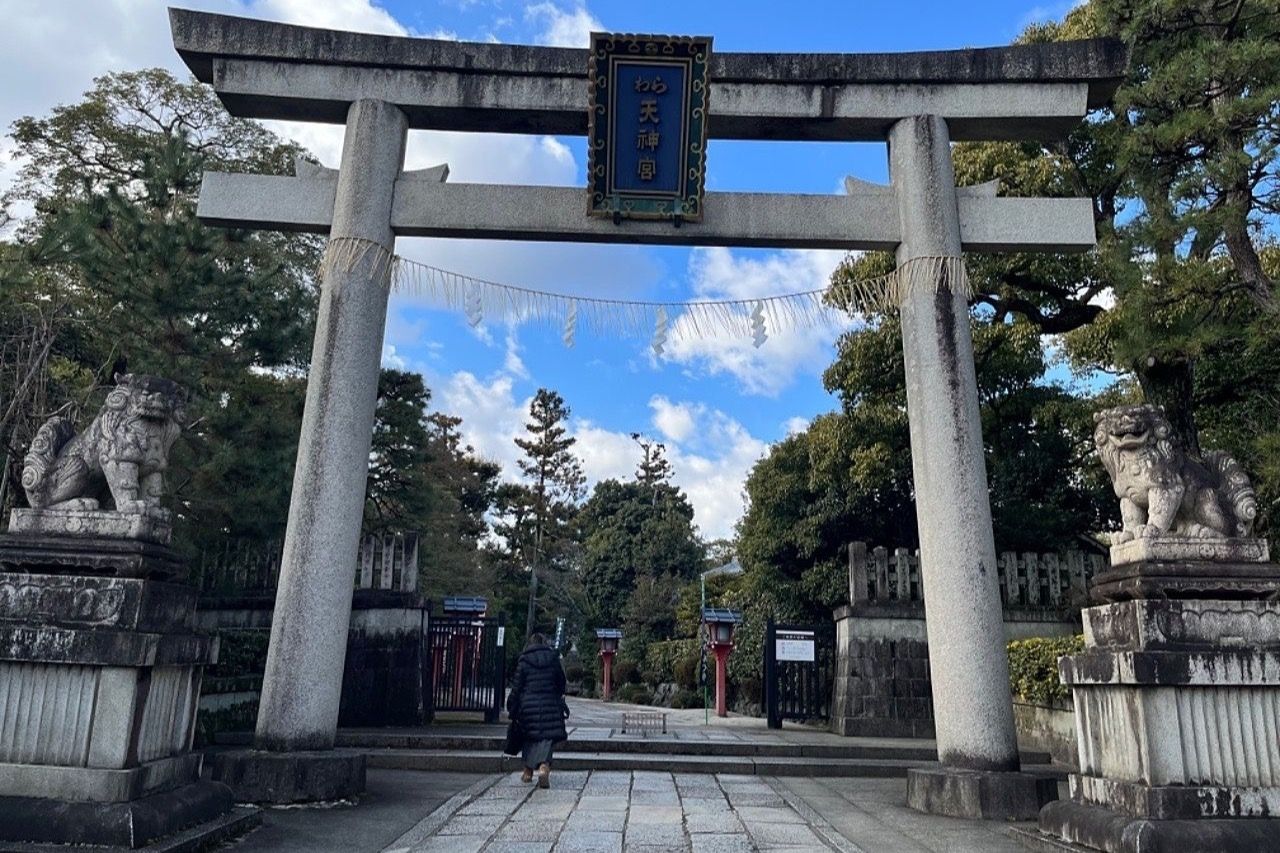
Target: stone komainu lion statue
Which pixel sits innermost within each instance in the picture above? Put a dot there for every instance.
(1163, 491)
(121, 456)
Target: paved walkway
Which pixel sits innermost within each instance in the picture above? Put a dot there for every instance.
(655, 812)
(592, 719)
(394, 801)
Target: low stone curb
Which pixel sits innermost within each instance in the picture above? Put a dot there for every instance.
(817, 822)
(491, 762)
(428, 826)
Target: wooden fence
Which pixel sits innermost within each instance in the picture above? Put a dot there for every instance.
(383, 561)
(1057, 580)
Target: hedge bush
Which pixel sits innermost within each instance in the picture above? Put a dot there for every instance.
(634, 694)
(626, 672)
(672, 661)
(686, 699)
(241, 651)
(1033, 668)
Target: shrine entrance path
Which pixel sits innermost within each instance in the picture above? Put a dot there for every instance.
(657, 812)
(394, 802)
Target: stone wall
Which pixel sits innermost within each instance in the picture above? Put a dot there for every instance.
(1047, 728)
(882, 686)
(382, 678)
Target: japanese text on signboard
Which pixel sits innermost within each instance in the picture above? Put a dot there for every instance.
(648, 127)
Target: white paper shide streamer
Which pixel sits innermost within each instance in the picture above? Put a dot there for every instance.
(755, 320)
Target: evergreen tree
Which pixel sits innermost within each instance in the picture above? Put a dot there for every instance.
(637, 533)
(113, 181)
(539, 515)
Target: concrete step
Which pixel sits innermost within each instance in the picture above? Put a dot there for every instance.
(490, 761)
(854, 749)
(644, 746)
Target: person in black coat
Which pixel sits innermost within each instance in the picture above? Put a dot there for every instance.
(537, 703)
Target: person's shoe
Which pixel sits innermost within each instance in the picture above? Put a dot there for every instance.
(544, 776)
(527, 776)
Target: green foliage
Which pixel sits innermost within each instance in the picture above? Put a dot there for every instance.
(848, 476)
(422, 477)
(538, 518)
(686, 699)
(626, 672)
(134, 282)
(636, 530)
(672, 661)
(241, 652)
(1033, 667)
(634, 694)
(240, 717)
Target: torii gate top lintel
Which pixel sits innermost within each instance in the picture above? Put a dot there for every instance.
(1029, 91)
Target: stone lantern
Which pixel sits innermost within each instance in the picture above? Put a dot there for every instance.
(720, 624)
(609, 638)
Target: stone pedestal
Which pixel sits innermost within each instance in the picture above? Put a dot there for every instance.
(1177, 707)
(99, 685)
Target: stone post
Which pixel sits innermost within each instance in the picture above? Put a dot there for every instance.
(973, 708)
(303, 680)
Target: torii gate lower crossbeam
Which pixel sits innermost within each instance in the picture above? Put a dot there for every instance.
(388, 85)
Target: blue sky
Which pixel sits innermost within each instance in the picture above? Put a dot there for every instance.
(718, 404)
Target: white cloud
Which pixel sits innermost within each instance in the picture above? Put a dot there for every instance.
(794, 426)
(563, 27)
(391, 359)
(360, 16)
(718, 273)
(674, 420)
(710, 458)
(513, 364)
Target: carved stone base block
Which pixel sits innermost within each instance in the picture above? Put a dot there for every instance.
(93, 523)
(99, 686)
(1100, 828)
(979, 795)
(126, 558)
(1178, 723)
(1171, 567)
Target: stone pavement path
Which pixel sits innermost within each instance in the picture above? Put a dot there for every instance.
(644, 812)
(873, 813)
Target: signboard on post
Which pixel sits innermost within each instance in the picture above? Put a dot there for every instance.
(794, 645)
(647, 126)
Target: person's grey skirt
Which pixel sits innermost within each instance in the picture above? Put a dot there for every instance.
(536, 752)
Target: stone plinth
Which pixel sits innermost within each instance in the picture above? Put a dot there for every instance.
(1175, 567)
(89, 555)
(99, 686)
(1178, 724)
(92, 523)
(978, 794)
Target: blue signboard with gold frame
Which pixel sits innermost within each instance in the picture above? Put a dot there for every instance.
(647, 126)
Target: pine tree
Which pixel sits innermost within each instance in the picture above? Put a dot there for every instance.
(540, 514)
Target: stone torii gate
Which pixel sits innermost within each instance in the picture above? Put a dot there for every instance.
(380, 86)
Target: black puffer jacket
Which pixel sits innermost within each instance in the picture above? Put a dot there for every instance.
(537, 695)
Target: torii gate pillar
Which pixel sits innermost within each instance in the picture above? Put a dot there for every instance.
(303, 680)
(977, 743)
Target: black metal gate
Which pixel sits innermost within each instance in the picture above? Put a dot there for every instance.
(799, 669)
(464, 668)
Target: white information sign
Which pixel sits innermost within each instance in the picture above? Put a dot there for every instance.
(502, 633)
(794, 648)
